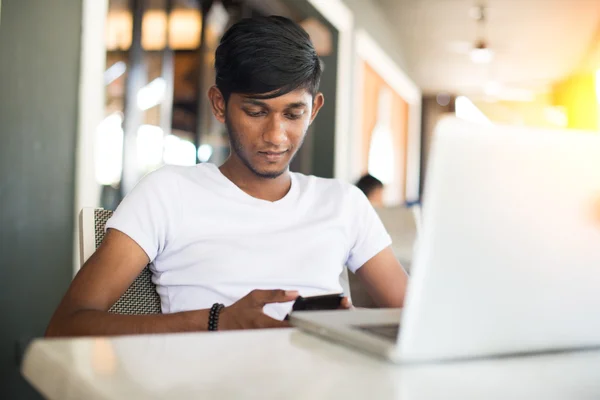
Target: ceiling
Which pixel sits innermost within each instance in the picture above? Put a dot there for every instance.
(535, 42)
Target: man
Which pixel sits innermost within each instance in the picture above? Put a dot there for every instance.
(372, 188)
(249, 235)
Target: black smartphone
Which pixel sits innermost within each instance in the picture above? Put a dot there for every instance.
(314, 303)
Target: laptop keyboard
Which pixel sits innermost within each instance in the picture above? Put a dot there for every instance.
(389, 332)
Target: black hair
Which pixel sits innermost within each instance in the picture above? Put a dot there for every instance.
(367, 183)
(266, 57)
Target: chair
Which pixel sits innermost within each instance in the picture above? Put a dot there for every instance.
(141, 297)
(416, 210)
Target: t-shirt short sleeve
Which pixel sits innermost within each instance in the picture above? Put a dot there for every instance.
(369, 236)
(149, 213)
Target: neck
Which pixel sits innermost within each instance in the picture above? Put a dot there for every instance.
(269, 189)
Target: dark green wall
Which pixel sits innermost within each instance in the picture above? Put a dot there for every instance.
(39, 76)
(322, 143)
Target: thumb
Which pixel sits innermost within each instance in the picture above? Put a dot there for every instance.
(261, 297)
(346, 303)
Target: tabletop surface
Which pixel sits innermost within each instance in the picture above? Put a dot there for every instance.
(287, 364)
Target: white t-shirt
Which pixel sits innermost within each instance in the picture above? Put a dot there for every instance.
(210, 242)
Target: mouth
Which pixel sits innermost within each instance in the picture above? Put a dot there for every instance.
(273, 156)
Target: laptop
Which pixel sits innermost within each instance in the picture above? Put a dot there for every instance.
(508, 255)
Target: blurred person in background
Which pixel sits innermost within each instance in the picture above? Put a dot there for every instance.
(231, 247)
(372, 188)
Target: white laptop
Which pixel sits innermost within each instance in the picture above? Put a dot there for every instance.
(508, 256)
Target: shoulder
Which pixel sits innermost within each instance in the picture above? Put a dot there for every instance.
(165, 180)
(328, 187)
(167, 172)
(173, 174)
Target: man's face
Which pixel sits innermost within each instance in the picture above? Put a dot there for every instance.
(265, 134)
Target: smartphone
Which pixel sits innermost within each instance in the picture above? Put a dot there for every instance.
(314, 303)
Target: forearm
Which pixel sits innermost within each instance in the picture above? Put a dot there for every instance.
(101, 323)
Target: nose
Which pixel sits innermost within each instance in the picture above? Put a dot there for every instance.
(276, 131)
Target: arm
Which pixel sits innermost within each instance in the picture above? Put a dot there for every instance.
(99, 284)
(108, 274)
(384, 278)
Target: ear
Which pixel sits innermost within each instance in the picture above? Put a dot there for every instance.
(217, 103)
(318, 102)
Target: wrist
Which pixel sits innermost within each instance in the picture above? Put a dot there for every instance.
(225, 319)
(213, 317)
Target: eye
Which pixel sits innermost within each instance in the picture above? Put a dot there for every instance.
(293, 116)
(255, 114)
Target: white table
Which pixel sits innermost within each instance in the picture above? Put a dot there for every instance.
(287, 364)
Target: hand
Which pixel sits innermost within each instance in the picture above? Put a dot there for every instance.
(247, 312)
(346, 304)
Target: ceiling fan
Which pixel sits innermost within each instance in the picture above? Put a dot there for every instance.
(479, 50)
(481, 53)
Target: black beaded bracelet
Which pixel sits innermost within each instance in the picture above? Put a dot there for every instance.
(213, 316)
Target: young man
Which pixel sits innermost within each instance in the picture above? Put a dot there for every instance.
(372, 188)
(249, 235)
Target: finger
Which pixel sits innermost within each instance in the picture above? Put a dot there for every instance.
(266, 322)
(346, 304)
(261, 297)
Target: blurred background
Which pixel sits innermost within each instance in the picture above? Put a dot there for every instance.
(96, 93)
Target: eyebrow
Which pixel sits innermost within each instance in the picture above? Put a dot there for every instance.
(249, 100)
(298, 104)
(255, 102)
